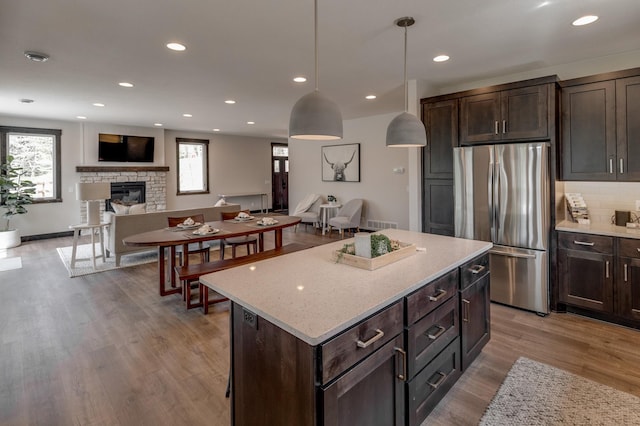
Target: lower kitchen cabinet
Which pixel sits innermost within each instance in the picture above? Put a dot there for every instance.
(600, 274)
(475, 329)
(391, 368)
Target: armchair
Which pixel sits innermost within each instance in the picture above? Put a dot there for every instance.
(348, 217)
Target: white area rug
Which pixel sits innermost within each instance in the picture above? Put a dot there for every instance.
(8, 263)
(538, 394)
(84, 265)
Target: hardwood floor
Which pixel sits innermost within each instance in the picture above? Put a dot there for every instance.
(106, 349)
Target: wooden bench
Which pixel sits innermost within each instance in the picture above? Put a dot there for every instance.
(186, 274)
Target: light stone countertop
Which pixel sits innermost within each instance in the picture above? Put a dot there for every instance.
(599, 229)
(312, 297)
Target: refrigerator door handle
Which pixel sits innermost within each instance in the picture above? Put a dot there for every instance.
(496, 201)
(518, 255)
(492, 204)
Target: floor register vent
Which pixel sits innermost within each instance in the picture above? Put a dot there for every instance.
(381, 224)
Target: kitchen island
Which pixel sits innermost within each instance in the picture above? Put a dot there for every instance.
(316, 342)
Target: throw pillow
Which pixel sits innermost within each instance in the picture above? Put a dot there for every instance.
(120, 208)
(138, 208)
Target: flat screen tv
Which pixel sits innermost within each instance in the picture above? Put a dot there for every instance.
(123, 148)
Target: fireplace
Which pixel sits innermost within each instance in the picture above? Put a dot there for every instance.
(128, 193)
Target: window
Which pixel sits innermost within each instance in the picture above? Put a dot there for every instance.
(37, 152)
(193, 166)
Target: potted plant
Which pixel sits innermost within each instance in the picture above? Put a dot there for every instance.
(15, 193)
(332, 199)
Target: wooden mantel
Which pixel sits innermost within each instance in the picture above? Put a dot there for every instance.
(84, 169)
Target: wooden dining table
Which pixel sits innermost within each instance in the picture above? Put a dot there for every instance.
(169, 237)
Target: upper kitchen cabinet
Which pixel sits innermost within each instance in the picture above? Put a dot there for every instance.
(515, 114)
(441, 122)
(601, 127)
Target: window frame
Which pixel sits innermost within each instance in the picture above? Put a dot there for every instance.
(205, 145)
(57, 174)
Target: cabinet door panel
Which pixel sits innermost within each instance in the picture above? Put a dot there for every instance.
(586, 280)
(588, 132)
(474, 319)
(369, 394)
(628, 128)
(438, 207)
(441, 122)
(479, 117)
(628, 288)
(524, 113)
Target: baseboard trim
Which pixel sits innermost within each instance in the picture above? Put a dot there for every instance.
(46, 236)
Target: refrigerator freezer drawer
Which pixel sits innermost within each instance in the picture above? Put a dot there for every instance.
(519, 278)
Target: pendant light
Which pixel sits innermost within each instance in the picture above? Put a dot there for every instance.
(315, 116)
(406, 130)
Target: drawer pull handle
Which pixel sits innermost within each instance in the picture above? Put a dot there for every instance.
(626, 273)
(403, 375)
(606, 267)
(439, 381)
(437, 334)
(440, 295)
(583, 243)
(476, 269)
(465, 310)
(378, 336)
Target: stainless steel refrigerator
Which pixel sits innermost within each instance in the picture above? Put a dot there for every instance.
(502, 196)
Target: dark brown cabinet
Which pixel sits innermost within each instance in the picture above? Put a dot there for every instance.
(589, 132)
(628, 128)
(585, 267)
(441, 121)
(601, 274)
(601, 130)
(627, 290)
(516, 114)
(475, 330)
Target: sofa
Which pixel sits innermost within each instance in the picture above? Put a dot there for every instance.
(124, 225)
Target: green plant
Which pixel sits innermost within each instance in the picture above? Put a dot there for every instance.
(15, 192)
(331, 198)
(380, 244)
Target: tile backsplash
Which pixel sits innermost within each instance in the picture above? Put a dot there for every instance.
(604, 198)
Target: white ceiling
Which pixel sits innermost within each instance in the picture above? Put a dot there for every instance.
(249, 50)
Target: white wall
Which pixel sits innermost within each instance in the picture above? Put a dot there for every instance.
(385, 193)
(236, 165)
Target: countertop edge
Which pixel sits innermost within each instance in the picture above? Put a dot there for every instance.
(599, 229)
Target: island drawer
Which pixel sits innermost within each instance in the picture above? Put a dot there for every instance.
(433, 382)
(474, 270)
(427, 337)
(431, 296)
(585, 242)
(629, 247)
(358, 342)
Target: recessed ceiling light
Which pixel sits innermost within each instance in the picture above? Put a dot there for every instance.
(251, 122)
(125, 84)
(157, 124)
(230, 101)
(177, 47)
(81, 117)
(584, 20)
(370, 97)
(26, 101)
(216, 130)
(187, 115)
(441, 58)
(300, 79)
(36, 56)
(98, 104)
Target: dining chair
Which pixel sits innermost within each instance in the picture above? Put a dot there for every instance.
(201, 248)
(348, 217)
(234, 242)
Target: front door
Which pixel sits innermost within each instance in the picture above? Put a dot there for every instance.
(280, 176)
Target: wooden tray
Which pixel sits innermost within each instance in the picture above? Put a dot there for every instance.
(405, 250)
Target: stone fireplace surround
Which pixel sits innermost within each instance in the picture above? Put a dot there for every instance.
(155, 178)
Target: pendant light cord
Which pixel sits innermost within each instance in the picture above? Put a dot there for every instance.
(406, 89)
(315, 37)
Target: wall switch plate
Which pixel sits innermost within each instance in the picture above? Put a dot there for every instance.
(637, 205)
